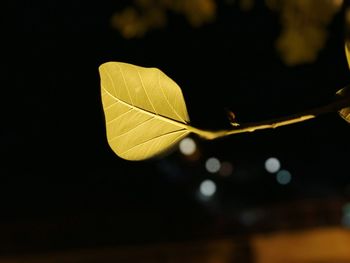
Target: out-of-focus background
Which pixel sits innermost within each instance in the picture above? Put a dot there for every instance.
(271, 196)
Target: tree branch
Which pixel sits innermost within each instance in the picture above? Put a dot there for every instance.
(339, 103)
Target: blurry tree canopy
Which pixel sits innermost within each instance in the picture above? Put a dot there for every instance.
(304, 23)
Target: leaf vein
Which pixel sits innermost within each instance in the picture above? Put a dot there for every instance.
(160, 117)
(133, 128)
(113, 85)
(113, 104)
(119, 116)
(157, 137)
(126, 86)
(172, 108)
(143, 86)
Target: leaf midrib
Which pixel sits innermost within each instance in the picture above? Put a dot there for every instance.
(158, 116)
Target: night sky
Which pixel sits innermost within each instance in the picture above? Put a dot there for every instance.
(56, 165)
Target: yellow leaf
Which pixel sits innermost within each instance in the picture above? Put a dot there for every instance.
(145, 111)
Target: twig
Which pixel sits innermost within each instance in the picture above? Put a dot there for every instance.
(339, 103)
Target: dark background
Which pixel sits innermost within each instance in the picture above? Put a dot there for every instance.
(61, 186)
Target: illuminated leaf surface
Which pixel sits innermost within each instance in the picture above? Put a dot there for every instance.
(145, 111)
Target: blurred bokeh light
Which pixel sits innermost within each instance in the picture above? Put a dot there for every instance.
(272, 165)
(212, 165)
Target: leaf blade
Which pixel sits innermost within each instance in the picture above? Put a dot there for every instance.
(141, 120)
